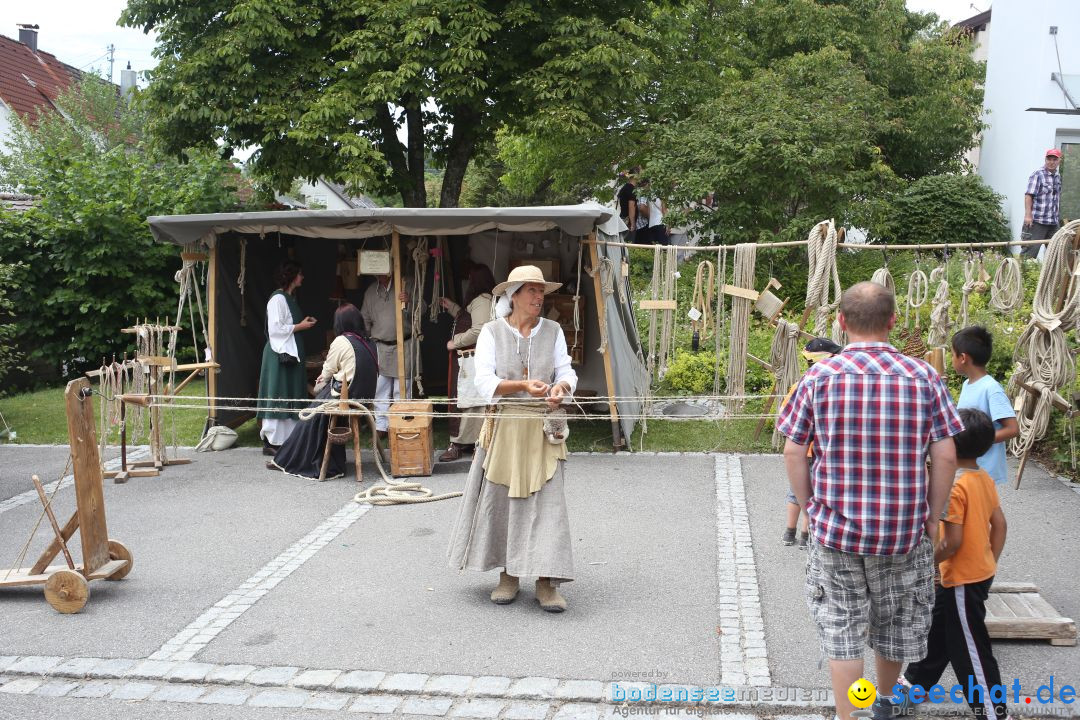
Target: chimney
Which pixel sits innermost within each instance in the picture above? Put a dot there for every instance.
(127, 82)
(28, 35)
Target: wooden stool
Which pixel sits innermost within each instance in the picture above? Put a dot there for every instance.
(342, 438)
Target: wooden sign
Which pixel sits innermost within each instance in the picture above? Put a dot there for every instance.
(373, 262)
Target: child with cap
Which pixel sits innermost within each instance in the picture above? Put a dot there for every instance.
(817, 349)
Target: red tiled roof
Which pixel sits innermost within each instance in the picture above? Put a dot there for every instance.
(30, 80)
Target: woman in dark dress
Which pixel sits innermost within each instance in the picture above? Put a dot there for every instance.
(351, 357)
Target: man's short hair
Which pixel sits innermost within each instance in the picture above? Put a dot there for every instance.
(976, 342)
(977, 437)
(868, 307)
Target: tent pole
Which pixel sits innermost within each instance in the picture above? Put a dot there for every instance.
(396, 259)
(211, 375)
(601, 316)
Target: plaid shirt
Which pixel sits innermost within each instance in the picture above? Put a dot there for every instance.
(871, 413)
(1044, 187)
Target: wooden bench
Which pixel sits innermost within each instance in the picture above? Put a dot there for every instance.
(1016, 611)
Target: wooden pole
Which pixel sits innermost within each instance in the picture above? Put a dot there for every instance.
(400, 327)
(601, 316)
(211, 376)
(60, 539)
(86, 464)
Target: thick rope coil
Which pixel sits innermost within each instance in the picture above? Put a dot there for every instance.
(784, 357)
(745, 260)
(883, 277)
(1007, 288)
(939, 313)
(918, 290)
(823, 281)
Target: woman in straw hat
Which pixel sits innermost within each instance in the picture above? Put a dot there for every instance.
(514, 511)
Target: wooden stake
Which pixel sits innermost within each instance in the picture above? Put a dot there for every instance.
(60, 539)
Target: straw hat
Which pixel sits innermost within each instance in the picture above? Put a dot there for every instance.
(526, 274)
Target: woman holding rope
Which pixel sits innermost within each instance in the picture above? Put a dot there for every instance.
(350, 358)
(514, 513)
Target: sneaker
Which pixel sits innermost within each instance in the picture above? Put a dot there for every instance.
(885, 709)
(803, 539)
(788, 538)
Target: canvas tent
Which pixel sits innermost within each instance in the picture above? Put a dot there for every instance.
(244, 249)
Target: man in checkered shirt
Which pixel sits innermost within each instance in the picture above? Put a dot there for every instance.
(1042, 201)
(873, 415)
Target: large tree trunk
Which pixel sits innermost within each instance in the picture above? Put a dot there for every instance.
(462, 145)
(406, 174)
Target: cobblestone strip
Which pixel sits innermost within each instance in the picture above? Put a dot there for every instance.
(196, 636)
(66, 481)
(743, 657)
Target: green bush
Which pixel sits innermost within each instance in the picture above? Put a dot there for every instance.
(690, 373)
(9, 355)
(957, 209)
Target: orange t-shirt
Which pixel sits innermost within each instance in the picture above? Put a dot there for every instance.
(971, 503)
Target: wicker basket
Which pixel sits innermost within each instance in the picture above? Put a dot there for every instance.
(339, 435)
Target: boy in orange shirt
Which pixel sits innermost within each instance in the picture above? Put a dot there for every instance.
(970, 542)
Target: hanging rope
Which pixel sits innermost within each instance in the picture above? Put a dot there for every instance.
(420, 262)
(1007, 288)
(883, 277)
(823, 281)
(702, 298)
(918, 290)
(745, 259)
(241, 278)
(784, 358)
(721, 263)
(438, 289)
(1043, 358)
(939, 312)
(971, 274)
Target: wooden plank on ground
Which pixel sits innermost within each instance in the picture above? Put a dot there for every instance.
(1026, 616)
(1013, 587)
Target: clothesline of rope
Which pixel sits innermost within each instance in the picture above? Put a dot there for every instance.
(843, 246)
(165, 398)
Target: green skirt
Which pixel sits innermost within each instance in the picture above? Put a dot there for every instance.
(277, 381)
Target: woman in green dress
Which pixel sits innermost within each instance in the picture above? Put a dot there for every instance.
(283, 376)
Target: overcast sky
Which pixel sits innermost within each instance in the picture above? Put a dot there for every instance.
(79, 32)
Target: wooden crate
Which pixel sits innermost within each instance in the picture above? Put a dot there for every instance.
(1016, 611)
(411, 445)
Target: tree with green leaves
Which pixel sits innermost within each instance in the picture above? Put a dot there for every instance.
(324, 88)
(86, 264)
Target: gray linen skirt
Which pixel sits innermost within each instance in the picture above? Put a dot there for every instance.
(529, 537)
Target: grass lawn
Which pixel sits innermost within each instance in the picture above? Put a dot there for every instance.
(38, 418)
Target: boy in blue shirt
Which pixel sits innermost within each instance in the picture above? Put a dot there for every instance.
(971, 349)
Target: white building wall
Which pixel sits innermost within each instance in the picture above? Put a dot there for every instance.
(1021, 57)
(5, 127)
(318, 193)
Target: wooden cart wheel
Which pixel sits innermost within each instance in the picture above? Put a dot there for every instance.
(117, 551)
(67, 591)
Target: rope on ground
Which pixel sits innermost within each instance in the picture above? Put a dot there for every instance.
(1007, 288)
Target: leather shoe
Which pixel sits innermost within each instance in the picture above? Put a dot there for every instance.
(547, 594)
(452, 453)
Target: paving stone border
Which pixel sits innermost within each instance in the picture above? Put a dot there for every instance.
(744, 659)
(67, 481)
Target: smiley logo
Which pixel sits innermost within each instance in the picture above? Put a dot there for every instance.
(862, 693)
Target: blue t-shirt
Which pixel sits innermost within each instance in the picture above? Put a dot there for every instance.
(987, 395)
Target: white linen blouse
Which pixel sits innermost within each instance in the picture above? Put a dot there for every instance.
(279, 326)
(486, 379)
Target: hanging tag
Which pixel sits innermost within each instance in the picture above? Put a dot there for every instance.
(677, 274)
(694, 314)
(625, 269)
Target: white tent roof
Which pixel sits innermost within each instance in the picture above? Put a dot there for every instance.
(575, 220)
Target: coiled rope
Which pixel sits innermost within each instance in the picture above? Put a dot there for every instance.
(918, 290)
(1007, 288)
(703, 297)
(939, 313)
(823, 281)
(784, 358)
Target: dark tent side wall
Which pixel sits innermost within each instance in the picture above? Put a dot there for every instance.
(241, 317)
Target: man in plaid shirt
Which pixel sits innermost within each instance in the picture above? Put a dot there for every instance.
(1041, 202)
(873, 415)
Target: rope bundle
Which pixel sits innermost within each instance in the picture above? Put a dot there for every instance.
(703, 296)
(1007, 288)
(784, 358)
(665, 266)
(1043, 358)
(745, 260)
(939, 313)
(821, 294)
(918, 290)
(721, 262)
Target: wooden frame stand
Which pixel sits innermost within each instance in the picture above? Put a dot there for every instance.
(67, 586)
